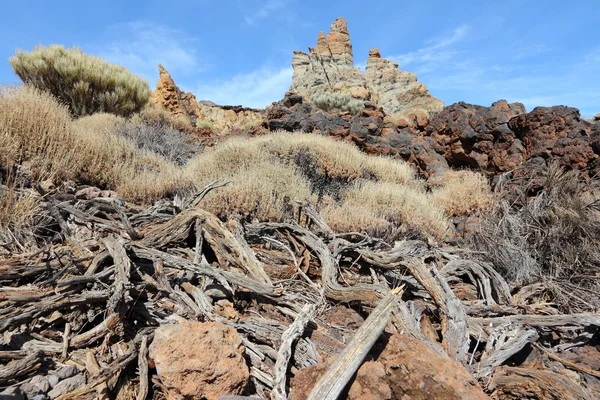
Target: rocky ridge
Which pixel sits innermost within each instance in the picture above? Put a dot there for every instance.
(330, 68)
(218, 121)
(493, 140)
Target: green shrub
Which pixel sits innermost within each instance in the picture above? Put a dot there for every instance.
(87, 84)
(337, 102)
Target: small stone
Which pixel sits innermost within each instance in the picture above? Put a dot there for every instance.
(53, 380)
(12, 393)
(67, 372)
(37, 385)
(67, 386)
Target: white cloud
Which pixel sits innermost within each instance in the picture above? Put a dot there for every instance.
(255, 89)
(267, 9)
(438, 51)
(141, 46)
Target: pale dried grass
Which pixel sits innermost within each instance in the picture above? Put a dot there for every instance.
(36, 129)
(461, 193)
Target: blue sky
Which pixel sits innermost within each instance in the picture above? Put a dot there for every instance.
(239, 51)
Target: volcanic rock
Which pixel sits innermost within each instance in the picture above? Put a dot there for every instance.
(213, 122)
(168, 95)
(405, 368)
(198, 360)
(330, 68)
(478, 137)
(557, 133)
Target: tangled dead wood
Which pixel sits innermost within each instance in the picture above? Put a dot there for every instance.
(91, 301)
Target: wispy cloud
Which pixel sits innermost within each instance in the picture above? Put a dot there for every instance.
(461, 67)
(256, 89)
(437, 51)
(266, 10)
(141, 46)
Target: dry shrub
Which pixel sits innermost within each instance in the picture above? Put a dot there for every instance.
(553, 238)
(357, 192)
(114, 162)
(152, 114)
(461, 193)
(163, 140)
(20, 216)
(390, 202)
(87, 84)
(330, 101)
(36, 129)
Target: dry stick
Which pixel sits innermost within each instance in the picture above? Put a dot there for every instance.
(122, 275)
(92, 366)
(21, 367)
(143, 369)
(211, 186)
(508, 340)
(284, 353)
(65, 350)
(227, 248)
(567, 363)
(350, 359)
(549, 321)
(199, 242)
(454, 318)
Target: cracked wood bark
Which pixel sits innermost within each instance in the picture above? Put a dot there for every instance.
(224, 277)
(227, 248)
(491, 286)
(20, 367)
(538, 321)
(293, 332)
(337, 376)
(503, 343)
(368, 294)
(120, 296)
(526, 383)
(455, 329)
(143, 369)
(49, 305)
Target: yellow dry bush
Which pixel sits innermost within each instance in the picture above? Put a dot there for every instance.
(265, 192)
(337, 159)
(36, 129)
(460, 193)
(153, 114)
(17, 209)
(87, 84)
(393, 202)
(267, 177)
(112, 161)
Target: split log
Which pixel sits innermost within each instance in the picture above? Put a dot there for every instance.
(284, 353)
(337, 376)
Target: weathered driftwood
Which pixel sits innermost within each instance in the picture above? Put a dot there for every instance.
(368, 294)
(94, 302)
(284, 353)
(337, 376)
(504, 342)
(526, 383)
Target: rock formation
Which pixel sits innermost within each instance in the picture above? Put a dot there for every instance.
(168, 95)
(493, 140)
(222, 120)
(330, 68)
